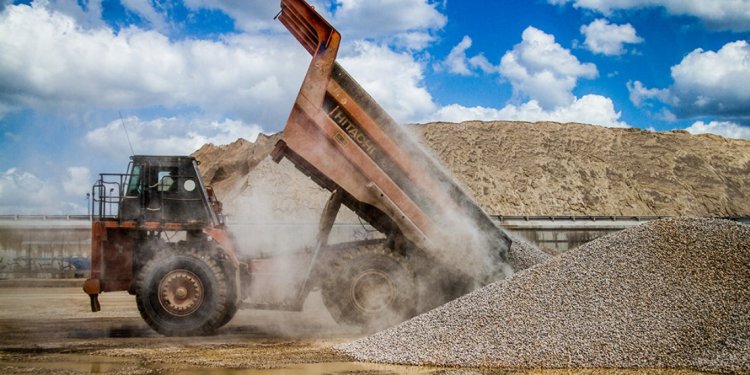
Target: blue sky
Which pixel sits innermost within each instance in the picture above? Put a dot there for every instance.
(182, 74)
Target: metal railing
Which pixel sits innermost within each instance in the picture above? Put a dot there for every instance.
(107, 193)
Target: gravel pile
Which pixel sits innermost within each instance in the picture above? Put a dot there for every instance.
(523, 254)
(672, 293)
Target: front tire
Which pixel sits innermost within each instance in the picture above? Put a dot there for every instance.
(183, 293)
(370, 287)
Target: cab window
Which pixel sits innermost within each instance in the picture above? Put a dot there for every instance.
(134, 185)
(166, 180)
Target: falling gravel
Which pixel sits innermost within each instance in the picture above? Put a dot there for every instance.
(523, 254)
(672, 293)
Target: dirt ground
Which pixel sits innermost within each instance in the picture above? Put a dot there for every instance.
(52, 331)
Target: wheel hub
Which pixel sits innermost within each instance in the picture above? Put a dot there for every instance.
(181, 292)
(373, 291)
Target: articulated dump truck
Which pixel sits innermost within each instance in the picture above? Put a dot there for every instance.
(159, 233)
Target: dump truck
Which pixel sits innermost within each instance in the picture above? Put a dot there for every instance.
(159, 232)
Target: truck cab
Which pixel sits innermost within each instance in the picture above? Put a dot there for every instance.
(165, 188)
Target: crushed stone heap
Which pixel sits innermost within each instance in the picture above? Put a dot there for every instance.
(672, 293)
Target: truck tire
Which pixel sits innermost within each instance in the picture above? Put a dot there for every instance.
(233, 304)
(184, 293)
(370, 287)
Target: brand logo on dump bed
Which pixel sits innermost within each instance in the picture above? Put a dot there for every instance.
(355, 133)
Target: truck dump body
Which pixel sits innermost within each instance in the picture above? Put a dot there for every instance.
(339, 136)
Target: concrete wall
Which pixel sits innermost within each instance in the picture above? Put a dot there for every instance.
(43, 246)
(51, 246)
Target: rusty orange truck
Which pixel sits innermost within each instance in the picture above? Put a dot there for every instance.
(159, 233)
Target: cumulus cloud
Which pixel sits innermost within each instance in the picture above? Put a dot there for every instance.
(640, 94)
(412, 22)
(22, 192)
(719, 14)
(541, 69)
(405, 23)
(722, 128)
(50, 61)
(146, 10)
(78, 181)
(87, 14)
(164, 136)
(706, 83)
(249, 16)
(608, 39)
(589, 109)
(457, 61)
(396, 81)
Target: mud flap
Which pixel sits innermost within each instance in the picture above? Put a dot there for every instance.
(95, 306)
(92, 287)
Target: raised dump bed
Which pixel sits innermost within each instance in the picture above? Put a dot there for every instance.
(339, 136)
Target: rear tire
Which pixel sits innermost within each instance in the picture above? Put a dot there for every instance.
(184, 293)
(233, 304)
(371, 287)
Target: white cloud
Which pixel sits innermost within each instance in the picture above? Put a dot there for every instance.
(457, 62)
(480, 61)
(539, 69)
(165, 136)
(390, 19)
(50, 62)
(639, 94)
(146, 10)
(396, 81)
(589, 109)
(249, 16)
(87, 14)
(78, 181)
(414, 41)
(719, 14)
(22, 192)
(706, 83)
(605, 38)
(722, 128)
(542, 70)
(405, 23)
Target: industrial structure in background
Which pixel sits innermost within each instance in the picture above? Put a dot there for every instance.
(59, 246)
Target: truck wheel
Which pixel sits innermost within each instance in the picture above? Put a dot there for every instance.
(231, 310)
(183, 294)
(370, 287)
(232, 303)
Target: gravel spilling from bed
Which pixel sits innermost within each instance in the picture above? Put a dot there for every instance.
(523, 254)
(672, 293)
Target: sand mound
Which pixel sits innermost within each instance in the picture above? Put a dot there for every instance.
(518, 168)
(668, 294)
(545, 168)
